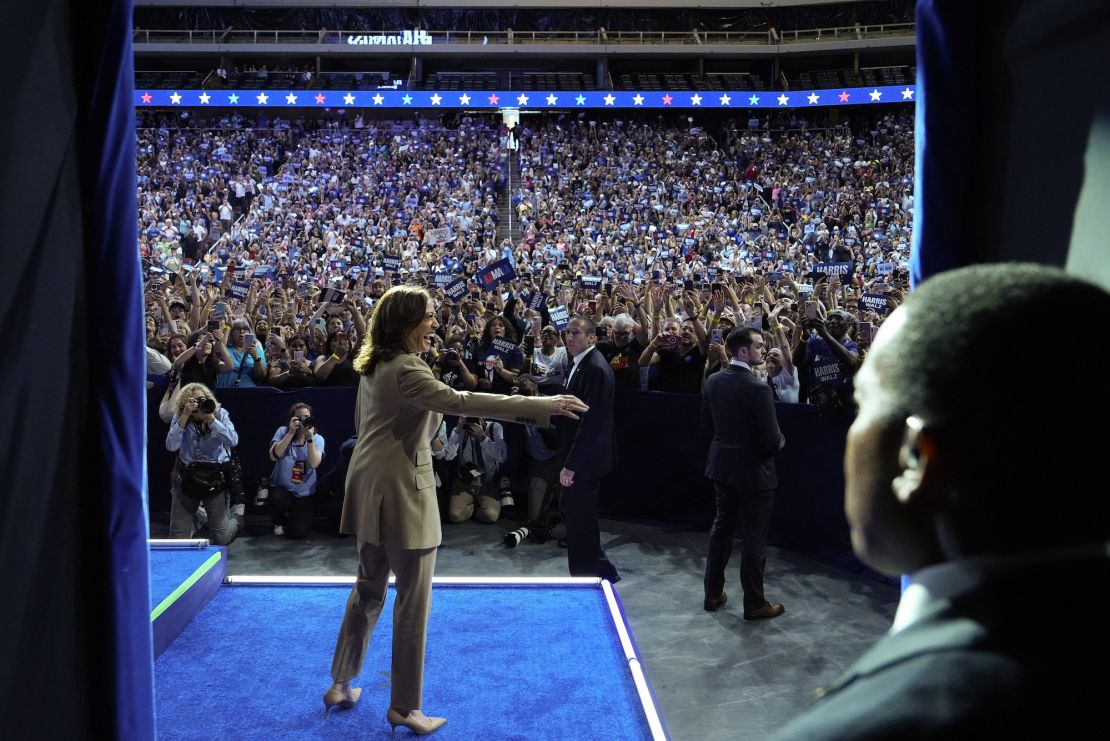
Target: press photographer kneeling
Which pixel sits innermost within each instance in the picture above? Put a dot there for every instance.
(296, 451)
(480, 448)
(202, 436)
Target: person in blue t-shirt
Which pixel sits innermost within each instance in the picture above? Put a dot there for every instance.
(296, 451)
(828, 362)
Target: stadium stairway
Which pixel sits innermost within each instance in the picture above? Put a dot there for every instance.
(505, 199)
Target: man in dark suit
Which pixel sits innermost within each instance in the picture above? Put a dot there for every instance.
(738, 413)
(998, 513)
(587, 448)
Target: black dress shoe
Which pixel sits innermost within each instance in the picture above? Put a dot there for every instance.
(712, 603)
(767, 611)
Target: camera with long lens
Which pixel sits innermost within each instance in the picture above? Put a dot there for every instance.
(538, 530)
(206, 405)
(513, 538)
(307, 421)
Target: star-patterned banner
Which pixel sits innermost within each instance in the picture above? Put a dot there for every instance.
(530, 99)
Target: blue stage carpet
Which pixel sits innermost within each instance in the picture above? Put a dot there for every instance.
(502, 663)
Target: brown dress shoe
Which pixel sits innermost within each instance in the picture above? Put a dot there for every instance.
(767, 611)
(712, 603)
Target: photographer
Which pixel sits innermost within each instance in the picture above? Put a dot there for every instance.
(296, 451)
(202, 436)
(479, 447)
(543, 461)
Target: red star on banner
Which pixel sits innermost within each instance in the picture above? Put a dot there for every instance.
(667, 99)
(147, 97)
(493, 100)
(843, 96)
(320, 98)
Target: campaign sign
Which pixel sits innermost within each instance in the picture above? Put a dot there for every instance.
(841, 269)
(239, 290)
(263, 271)
(333, 295)
(392, 264)
(440, 236)
(503, 347)
(876, 302)
(559, 317)
(439, 280)
(885, 268)
(456, 289)
(538, 300)
(591, 281)
(496, 273)
(712, 271)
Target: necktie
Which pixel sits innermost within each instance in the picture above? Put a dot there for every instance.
(570, 370)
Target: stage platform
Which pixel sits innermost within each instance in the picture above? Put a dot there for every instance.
(543, 658)
(184, 576)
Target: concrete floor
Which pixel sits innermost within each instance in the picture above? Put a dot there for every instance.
(715, 675)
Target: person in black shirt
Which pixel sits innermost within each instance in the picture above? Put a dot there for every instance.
(624, 351)
(677, 352)
(334, 367)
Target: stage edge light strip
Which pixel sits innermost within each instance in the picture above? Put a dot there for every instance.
(185, 585)
(474, 581)
(638, 677)
(198, 543)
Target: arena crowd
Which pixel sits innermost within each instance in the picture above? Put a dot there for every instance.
(266, 246)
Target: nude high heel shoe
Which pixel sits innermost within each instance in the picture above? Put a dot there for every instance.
(341, 694)
(415, 721)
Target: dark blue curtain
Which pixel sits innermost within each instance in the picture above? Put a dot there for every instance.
(75, 645)
(1008, 98)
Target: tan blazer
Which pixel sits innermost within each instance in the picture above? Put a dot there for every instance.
(391, 491)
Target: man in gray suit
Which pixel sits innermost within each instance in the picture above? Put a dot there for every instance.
(738, 412)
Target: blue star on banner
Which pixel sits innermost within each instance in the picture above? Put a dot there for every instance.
(533, 99)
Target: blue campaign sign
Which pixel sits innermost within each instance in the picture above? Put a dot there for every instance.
(239, 290)
(443, 279)
(885, 268)
(456, 289)
(841, 269)
(560, 317)
(495, 274)
(876, 302)
(392, 264)
(591, 281)
(263, 271)
(537, 301)
(503, 347)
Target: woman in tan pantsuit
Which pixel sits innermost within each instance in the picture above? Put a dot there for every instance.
(390, 502)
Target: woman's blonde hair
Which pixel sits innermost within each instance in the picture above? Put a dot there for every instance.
(188, 392)
(396, 315)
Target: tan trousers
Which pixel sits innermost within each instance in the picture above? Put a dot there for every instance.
(414, 569)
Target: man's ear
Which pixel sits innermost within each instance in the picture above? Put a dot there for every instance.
(923, 480)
